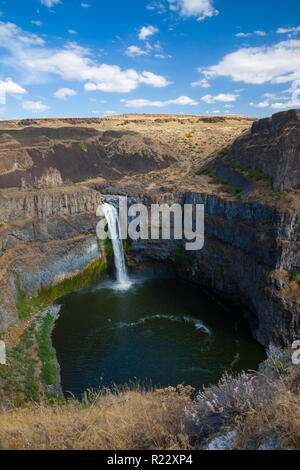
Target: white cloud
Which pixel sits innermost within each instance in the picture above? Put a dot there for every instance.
(147, 31)
(157, 81)
(141, 103)
(35, 106)
(221, 97)
(194, 8)
(8, 87)
(37, 23)
(63, 93)
(262, 104)
(134, 51)
(260, 33)
(159, 7)
(243, 35)
(49, 3)
(293, 30)
(278, 63)
(85, 5)
(72, 31)
(162, 56)
(247, 35)
(29, 55)
(11, 36)
(204, 83)
(110, 78)
(286, 105)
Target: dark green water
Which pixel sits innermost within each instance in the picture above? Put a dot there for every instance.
(162, 331)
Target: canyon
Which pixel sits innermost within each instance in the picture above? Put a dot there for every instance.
(54, 174)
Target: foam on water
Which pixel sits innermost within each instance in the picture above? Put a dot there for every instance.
(198, 324)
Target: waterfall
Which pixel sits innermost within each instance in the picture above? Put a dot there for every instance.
(112, 217)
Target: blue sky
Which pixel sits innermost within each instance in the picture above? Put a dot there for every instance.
(97, 57)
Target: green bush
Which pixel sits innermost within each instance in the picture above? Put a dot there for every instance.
(83, 147)
(293, 275)
(45, 351)
(183, 256)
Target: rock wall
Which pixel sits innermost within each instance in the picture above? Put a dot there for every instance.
(247, 249)
(273, 146)
(46, 236)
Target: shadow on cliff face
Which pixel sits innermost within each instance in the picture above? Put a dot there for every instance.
(78, 153)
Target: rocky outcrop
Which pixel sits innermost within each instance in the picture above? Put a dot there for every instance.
(46, 236)
(77, 153)
(273, 146)
(16, 205)
(111, 147)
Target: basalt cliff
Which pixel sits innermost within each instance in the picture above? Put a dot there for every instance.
(55, 172)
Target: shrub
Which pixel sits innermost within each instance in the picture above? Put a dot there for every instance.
(293, 275)
(45, 351)
(83, 147)
(232, 191)
(224, 151)
(278, 423)
(189, 135)
(233, 396)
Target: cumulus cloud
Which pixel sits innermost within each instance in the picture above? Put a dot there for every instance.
(141, 103)
(221, 97)
(8, 87)
(11, 36)
(29, 54)
(294, 30)
(262, 104)
(243, 35)
(279, 63)
(286, 105)
(194, 8)
(159, 7)
(135, 51)
(157, 81)
(35, 106)
(49, 3)
(260, 33)
(63, 93)
(147, 31)
(204, 83)
(247, 35)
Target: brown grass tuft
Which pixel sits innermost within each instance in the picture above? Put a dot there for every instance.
(110, 420)
(280, 420)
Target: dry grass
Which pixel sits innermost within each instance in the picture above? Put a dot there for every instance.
(256, 409)
(280, 420)
(111, 420)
